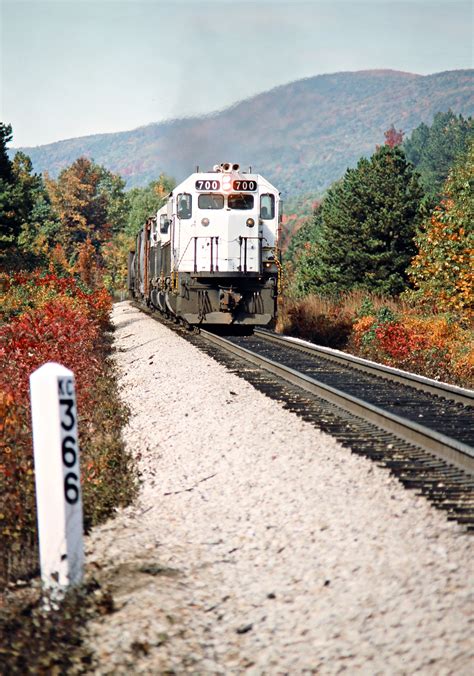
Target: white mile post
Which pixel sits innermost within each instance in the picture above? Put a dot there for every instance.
(58, 488)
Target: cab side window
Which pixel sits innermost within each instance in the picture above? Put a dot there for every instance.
(185, 205)
(267, 207)
(164, 224)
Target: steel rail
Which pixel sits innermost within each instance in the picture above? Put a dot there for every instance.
(451, 392)
(451, 450)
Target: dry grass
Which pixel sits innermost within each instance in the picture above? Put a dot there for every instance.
(326, 321)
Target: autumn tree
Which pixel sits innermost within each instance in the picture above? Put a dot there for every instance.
(366, 226)
(393, 137)
(90, 202)
(443, 269)
(87, 266)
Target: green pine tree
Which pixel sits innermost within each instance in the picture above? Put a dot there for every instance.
(433, 150)
(9, 222)
(368, 222)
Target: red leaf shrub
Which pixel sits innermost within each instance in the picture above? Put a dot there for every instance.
(430, 346)
(55, 318)
(53, 332)
(397, 341)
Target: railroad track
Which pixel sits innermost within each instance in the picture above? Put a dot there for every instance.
(423, 431)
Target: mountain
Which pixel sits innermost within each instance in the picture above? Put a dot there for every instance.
(301, 136)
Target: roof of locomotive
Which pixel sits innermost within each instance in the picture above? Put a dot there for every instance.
(217, 171)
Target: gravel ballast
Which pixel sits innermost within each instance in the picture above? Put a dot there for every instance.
(259, 544)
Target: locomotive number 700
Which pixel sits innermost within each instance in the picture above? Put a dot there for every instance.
(203, 184)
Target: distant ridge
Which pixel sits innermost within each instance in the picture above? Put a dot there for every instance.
(301, 135)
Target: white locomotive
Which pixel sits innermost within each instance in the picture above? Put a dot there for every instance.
(210, 255)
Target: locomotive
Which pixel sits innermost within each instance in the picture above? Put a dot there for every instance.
(210, 255)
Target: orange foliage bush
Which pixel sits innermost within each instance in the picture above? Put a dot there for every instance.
(433, 346)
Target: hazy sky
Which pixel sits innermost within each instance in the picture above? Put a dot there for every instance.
(76, 67)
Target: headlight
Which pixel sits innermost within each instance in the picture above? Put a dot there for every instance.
(205, 221)
(250, 222)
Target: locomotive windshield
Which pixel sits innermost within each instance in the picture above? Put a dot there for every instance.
(211, 201)
(240, 201)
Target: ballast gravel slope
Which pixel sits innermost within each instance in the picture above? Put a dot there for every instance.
(258, 544)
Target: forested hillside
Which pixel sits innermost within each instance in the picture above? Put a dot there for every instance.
(302, 136)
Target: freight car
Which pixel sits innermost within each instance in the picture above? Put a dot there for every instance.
(210, 255)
